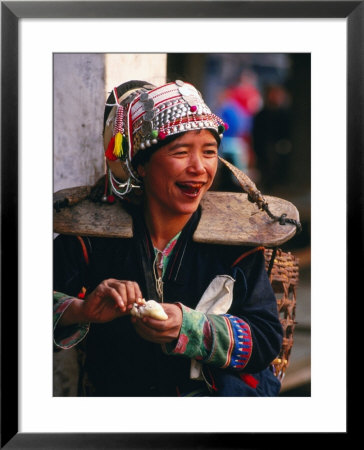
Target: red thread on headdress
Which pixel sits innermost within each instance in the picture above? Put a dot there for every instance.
(118, 128)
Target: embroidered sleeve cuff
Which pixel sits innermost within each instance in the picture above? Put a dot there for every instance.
(220, 340)
(194, 340)
(232, 342)
(66, 337)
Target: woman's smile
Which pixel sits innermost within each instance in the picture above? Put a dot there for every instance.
(177, 175)
(190, 189)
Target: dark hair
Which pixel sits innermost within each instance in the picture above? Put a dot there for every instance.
(143, 156)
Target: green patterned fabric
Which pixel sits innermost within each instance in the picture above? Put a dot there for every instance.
(66, 337)
(219, 340)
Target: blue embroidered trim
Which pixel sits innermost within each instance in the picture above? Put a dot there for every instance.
(242, 340)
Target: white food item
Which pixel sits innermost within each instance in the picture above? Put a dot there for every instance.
(150, 308)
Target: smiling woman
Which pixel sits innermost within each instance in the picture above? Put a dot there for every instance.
(176, 177)
(221, 329)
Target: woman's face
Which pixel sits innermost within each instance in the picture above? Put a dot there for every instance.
(178, 174)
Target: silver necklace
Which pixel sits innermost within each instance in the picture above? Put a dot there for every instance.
(157, 277)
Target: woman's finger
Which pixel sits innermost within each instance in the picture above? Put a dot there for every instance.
(138, 291)
(117, 295)
(129, 290)
(161, 332)
(155, 324)
(124, 292)
(150, 334)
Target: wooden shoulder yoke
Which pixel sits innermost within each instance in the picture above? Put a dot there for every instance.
(227, 218)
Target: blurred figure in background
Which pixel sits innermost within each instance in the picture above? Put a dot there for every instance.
(271, 138)
(238, 105)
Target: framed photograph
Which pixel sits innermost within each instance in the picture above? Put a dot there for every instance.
(32, 33)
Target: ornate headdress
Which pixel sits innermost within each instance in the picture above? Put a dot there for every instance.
(144, 117)
(140, 117)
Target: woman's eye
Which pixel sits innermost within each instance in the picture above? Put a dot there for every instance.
(180, 153)
(210, 152)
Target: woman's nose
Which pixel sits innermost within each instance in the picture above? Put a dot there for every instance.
(196, 164)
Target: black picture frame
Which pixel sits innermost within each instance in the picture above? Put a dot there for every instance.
(11, 12)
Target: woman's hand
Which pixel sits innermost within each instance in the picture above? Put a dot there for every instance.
(160, 331)
(111, 299)
(108, 301)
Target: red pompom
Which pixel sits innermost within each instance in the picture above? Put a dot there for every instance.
(110, 199)
(109, 154)
(82, 293)
(193, 108)
(162, 135)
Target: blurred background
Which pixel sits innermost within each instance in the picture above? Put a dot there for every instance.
(264, 98)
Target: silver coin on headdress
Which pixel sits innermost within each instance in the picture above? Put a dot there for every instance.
(149, 115)
(190, 100)
(148, 105)
(144, 96)
(146, 128)
(188, 90)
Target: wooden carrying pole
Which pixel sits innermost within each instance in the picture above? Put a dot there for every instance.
(227, 218)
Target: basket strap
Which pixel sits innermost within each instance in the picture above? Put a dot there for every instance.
(271, 262)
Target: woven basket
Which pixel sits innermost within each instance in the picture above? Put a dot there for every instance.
(283, 273)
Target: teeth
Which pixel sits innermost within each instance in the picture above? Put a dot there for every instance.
(192, 189)
(197, 186)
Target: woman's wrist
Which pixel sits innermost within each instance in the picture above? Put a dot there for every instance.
(73, 314)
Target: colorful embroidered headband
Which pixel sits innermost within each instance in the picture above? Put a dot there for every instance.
(146, 116)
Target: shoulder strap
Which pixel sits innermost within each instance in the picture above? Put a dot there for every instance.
(247, 253)
(84, 249)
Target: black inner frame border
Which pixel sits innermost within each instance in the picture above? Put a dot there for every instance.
(11, 13)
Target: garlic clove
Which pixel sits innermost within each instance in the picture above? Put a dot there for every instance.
(151, 308)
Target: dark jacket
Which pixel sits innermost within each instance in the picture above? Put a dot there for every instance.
(119, 362)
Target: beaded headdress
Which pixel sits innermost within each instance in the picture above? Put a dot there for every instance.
(146, 116)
